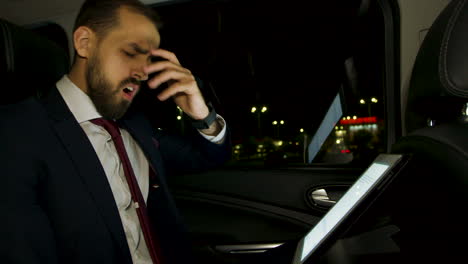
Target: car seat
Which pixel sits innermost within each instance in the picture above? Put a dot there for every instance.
(29, 63)
(433, 196)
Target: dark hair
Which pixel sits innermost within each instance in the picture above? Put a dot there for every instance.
(102, 15)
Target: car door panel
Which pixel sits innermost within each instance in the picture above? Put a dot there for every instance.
(245, 212)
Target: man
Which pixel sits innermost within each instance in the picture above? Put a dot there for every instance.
(68, 191)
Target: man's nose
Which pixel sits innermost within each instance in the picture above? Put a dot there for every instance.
(139, 73)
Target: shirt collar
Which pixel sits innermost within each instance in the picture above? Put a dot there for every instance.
(78, 102)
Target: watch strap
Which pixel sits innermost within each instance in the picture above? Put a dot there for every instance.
(207, 121)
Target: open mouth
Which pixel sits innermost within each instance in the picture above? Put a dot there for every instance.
(129, 92)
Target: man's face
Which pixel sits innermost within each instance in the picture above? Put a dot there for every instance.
(115, 69)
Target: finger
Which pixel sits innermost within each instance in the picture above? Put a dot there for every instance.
(174, 89)
(167, 76)
(164, 65)
(166, 55)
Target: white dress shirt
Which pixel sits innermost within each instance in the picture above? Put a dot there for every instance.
(84, 110)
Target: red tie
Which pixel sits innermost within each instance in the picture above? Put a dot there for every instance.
(137, 197)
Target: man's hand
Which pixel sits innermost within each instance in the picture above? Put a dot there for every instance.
(181, 84)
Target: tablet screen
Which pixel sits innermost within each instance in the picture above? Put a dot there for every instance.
(357, 192)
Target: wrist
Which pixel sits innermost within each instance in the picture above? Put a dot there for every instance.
(213, 130)
(205, 122)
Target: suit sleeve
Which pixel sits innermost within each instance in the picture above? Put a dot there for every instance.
(192, 153)
(25, 232)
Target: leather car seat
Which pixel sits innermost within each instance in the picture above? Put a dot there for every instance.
(29, 63)
(54, 32)
(432, 200)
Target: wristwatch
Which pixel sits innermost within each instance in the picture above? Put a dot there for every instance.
(207, 121)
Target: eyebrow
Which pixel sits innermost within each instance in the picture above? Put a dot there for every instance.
(138, 49)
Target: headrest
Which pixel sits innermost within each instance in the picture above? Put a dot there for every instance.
(439, 83)
(29, 63)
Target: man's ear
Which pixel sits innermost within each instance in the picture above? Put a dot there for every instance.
(84, 40)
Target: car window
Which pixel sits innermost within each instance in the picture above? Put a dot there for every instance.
(273, 70)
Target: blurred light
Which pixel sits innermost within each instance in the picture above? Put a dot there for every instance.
(338, 141)
(301, 130)
(374, 100)
(297, 143)
(275, 123)
(285, 156)
(354, 117)
(345, 151)
(336, 127)
(238, 146)
(341, 127)
(259, 150)
(282, 122)
(236, 151)
(348, 118)
(254, 109)
(179, 117)
(264, 109)
(344, 118)
(260, 146)
(362, 101)
(360, 120)
(278, 143)
(178, 107)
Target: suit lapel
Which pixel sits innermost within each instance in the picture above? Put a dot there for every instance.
(87, 164)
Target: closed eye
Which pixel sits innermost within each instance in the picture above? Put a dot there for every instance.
(128, 54)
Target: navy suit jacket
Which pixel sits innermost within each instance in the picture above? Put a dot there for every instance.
(56, 204)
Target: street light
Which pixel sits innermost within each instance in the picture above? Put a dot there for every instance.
(277, 125)
(301, 130)
(373, 100)
(258, 111)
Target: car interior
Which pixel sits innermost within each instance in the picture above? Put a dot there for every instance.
(437, 125)
(265, 200)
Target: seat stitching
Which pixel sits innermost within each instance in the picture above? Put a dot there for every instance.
(443, 71)
(6, 42)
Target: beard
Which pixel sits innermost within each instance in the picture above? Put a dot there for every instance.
(104, 96)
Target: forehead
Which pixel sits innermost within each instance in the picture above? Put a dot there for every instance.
(135, 28)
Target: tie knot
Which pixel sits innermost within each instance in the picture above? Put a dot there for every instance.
(109, 125)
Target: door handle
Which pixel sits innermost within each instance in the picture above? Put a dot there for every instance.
(320, 197)
(247, 249)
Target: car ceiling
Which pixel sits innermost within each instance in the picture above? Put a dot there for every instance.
(32, 11)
